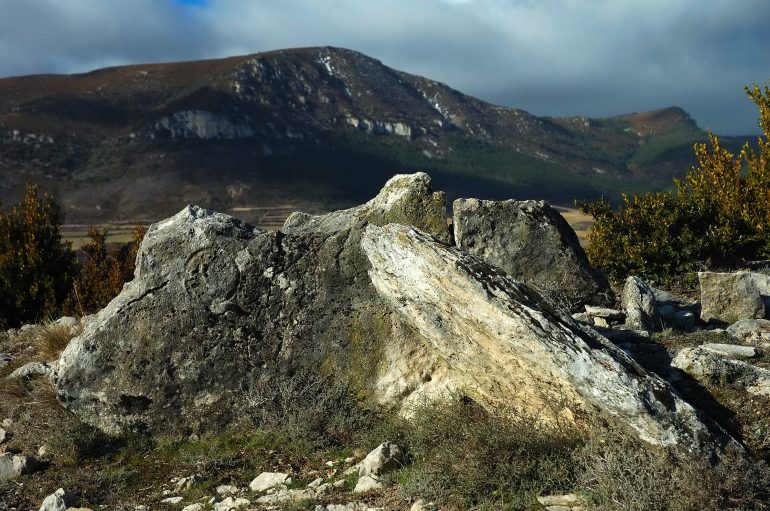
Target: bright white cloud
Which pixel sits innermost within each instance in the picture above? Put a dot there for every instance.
(552, 57)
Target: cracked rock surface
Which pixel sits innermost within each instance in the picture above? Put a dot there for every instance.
(220, 315)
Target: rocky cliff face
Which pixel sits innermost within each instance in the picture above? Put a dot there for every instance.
(220, 315)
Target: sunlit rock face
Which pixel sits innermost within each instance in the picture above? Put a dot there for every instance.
(221, 317)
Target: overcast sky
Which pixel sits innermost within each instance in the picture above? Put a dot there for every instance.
(550, 57)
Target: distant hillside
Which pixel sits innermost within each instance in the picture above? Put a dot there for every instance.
(309, 128)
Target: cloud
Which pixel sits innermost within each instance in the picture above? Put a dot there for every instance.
(551, 57)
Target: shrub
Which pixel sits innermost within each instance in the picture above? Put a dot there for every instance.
(103, 272)
(719, 215)
(36, 269)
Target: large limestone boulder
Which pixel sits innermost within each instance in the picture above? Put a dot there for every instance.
(507, 346)
(730, 297)
(220, 315)
(533, 243)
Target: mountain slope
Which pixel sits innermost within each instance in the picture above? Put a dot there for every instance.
(313, 127)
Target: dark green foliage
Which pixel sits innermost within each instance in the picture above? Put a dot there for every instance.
(718, 216)
(36, 269)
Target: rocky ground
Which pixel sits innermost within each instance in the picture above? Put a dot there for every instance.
(372, 359)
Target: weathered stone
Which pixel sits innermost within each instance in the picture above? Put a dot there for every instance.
(31, 370)
(568, 500)
(267, 480)
(172, 500)
(286, 495)
(383, 459)
(193, 507)
(220, 315)
(712, 368)
(405, 199)
(228, 489)
(641, 307)
(533, 243)
(604, 312)
(755, 332)
(731, 350)
(516, 350)
(15, 465)
(60, 500)
(231, 504)
(4, 435)
(232, 311)
(367, 483)
(185, 483)
(730, 297)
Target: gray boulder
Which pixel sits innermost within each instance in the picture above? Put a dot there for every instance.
(219, 313)
(730, 297)
(221, 316)
(385, 458)
(532, 243)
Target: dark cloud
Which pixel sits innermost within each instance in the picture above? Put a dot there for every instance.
(551, 57)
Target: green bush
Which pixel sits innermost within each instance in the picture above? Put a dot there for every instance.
(718, 216)
(36, 268)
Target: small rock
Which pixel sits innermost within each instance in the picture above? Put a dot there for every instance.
(582, 317)
(14, 465)
(7, 423)
(141, 507)
(350, 460)
(231, 504)
(193, 507)
(185, 483)
(315, 483)
(418, 506)
(339, 484)
(755, 332)
(285, 495)
(172, 500)
(385, 458)
(44, 453)
(227, 489)
(30, 370)
(267, 480)
(367, 483)
(4, 435)
(604, 312)
(568, 500)
(641, 307)
(731, 350)
(60, 500)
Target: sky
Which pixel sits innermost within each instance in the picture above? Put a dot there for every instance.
(550, 57)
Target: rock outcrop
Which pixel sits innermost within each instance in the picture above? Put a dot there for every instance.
(533, 243)
(221, 314)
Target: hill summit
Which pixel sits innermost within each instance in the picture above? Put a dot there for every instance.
(314, 127)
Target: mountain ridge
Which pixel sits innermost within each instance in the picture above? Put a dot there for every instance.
(316, 127)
